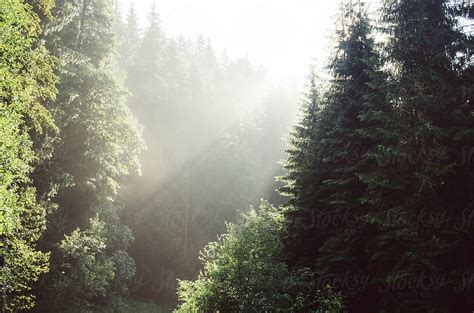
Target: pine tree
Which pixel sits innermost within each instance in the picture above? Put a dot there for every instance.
(329, 144)
(327, 212)
(26, 81)
(427, 56)
(303, 175)
(145, 81)
(358, 121)
(415, 182)
(128, 38)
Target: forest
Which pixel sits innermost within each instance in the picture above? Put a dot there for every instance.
(141, 171)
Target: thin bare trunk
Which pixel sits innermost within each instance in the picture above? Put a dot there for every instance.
(81, 24)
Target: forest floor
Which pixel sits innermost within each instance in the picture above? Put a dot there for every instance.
(135, 306)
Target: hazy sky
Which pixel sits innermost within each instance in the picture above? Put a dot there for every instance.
(282, 35)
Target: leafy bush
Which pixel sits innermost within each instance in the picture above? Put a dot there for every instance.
(244, 271)
(86, 273)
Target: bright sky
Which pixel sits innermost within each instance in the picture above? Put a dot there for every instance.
(285, 36)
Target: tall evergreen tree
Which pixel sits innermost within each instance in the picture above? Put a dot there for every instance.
(328, 144)
(26, 81)
(302, 177)
(360, 119)
(419, 189)
(427, 55)
(408, 189)
(128, 38)
(332, 149)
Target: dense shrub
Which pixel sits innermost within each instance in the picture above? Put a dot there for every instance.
(244, 271)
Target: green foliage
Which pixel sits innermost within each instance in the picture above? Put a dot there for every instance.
(26, 79)
(425, 87)
(327, 146)
(96, 148)
(84, 271)
(386, 147)
(379, 175)
(244, 271)
(136, 306)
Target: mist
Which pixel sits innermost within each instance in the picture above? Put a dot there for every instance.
(283, 36)
(216, 113)
(236, 156)
(215, 127)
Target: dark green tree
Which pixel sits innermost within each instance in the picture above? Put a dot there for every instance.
(421, 198)
(302, 177)
(331, 149)
(392, 164)
(418, 198)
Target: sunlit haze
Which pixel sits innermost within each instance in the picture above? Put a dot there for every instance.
(236, 156)
(285, 36)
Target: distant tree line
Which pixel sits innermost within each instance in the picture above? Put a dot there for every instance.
(214, 129)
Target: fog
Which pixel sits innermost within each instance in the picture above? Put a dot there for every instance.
(236, 156)
(285, 36)
(216, 87)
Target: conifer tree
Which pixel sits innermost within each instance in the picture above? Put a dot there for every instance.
(408, 189)
(128, 38)
(145, 82)
(422, 177)
(418, 190)
(302, 177)
(326, 208)
(327, 146)
(361, 126)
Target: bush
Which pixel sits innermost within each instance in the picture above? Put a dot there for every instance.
(244, 271)
(85, 271)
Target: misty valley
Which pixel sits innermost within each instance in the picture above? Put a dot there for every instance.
(305, 156)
